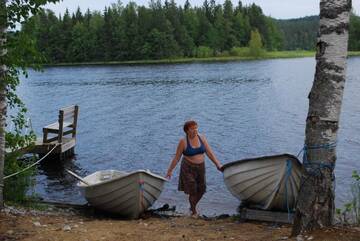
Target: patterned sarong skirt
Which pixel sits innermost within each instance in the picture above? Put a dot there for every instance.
(192, 178)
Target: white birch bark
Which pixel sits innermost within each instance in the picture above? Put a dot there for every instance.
(315, 207)
(3, 20)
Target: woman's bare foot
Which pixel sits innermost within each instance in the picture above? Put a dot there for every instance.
(195, 215)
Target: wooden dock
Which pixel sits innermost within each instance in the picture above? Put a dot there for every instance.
(60, 135)
(61, 151)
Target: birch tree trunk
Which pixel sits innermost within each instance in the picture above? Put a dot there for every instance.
(3, 21)
(315, 206)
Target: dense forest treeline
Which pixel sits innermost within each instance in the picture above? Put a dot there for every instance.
(166, 30)
(301, 33)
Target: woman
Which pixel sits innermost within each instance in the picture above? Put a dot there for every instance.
(192, 171)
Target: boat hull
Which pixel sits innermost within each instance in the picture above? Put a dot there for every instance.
(124, 194)
(268, 183)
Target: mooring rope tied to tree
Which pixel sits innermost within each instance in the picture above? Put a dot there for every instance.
(308, 163)
(287, 177)
(330, 145)
(26, 168)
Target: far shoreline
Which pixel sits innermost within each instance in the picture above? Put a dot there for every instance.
(267, 55)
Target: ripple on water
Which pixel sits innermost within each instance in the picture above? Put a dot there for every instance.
(131, 117)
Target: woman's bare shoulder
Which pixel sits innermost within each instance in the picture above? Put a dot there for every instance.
(182, 141)
(203, 137)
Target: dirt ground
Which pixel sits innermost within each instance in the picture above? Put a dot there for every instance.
(72, 226)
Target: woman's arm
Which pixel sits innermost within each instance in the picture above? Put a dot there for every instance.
(211, 154)
(175, 160)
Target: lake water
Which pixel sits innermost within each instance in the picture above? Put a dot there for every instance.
(131, 118)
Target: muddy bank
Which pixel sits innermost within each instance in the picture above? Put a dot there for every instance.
(68, 224)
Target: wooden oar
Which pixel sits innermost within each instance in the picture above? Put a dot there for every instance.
(77, 177)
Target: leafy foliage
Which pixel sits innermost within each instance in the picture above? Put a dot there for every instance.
(167, 30)
(21, 54)
(354, 33)
(351, 211)
(16, 188)
(161, 30)
(255, 44)
(240, 51)
(203, 52)
(299, 33)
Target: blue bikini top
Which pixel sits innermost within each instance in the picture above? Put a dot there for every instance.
(189, 151)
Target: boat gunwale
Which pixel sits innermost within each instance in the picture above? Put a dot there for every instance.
(268, 203)
(262, 158)
(81, 185)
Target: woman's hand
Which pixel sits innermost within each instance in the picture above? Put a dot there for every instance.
(168, 174)
(219, 167)
(175, 160)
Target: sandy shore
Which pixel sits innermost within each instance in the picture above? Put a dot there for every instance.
(70, 225)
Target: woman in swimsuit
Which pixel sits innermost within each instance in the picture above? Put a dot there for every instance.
(192, 171)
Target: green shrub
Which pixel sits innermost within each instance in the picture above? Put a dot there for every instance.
(204, 52)
(255, 44)
(224, 53)
(351, 211)
(16, 188)
(355, 191)
(240, 51)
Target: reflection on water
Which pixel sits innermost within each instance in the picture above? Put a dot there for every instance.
(58, 181)
(131, 118)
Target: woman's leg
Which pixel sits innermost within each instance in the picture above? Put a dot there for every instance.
(199, 196)
(194, 200)
(200, 188)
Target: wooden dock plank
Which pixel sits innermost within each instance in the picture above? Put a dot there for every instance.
(43, 148)
(268, 216)
(55, 126)
(70, 143)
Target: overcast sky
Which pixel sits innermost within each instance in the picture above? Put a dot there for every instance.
(281, 9)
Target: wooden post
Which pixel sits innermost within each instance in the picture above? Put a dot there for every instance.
(61, 125)
(45, 134)
(76, 112)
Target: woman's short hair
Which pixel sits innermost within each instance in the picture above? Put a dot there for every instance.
(189, 124)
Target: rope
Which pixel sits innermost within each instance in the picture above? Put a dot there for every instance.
(313, 168)
(309, 165)
(288, 173)
(16, 173)
(141, 185)
(328, 146)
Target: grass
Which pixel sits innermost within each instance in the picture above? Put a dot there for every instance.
(267, 55)
(289, 54)
(354, 53)
(159, 61)
(29, 202)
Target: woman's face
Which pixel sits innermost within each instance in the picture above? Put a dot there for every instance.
(192, 131)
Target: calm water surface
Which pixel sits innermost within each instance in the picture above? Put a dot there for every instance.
(131, 118)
